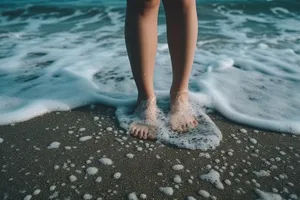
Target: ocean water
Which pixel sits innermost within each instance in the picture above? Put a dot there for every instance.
(58, 55)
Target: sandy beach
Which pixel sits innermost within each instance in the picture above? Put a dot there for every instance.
(57, 156)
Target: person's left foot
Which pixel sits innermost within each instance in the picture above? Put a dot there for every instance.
(182, 118)
(146, 127)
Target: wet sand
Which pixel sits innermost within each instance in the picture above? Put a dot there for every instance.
(27, 165)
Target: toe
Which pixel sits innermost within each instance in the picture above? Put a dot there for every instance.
(182, 127)
(131, 130)
(140, 135)
(145, 136)
(135, 132)
(187, 126)
(173, 127)
(195, 122)
(150, 136)
(192, 124)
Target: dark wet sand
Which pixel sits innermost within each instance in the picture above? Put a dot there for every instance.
(26, 163)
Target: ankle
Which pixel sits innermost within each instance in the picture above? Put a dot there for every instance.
(179, 95)
(146, 99)
(178, 89)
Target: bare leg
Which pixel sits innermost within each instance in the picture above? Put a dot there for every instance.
(141, 43)
(182, 31)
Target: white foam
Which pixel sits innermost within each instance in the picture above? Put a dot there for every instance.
(1, 140)
(247, 73)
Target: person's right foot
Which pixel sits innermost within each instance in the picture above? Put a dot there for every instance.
(182, 117)
(147, 127)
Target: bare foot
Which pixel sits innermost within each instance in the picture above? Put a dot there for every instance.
(182, 118)
(146, 129)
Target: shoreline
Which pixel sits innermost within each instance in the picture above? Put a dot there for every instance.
(28, 164)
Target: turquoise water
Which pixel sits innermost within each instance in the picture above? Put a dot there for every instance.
(57, 55)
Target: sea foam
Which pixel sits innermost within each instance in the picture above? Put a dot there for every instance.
(246, 66)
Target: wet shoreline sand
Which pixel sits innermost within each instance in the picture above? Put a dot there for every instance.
(28, 165)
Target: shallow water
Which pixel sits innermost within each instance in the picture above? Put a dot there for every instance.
(63, 54)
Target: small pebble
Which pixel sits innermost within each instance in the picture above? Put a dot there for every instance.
(204, 194)
(106, 161)
(242, 130)
(28, 197)
(98, 179)
(117, 175)
(130, 155)
(36, 192)
(143, 196)
(92, 170)
(87, 196)
(178, 167)
(177, 179)
(72, 178)
(253, 141)
(167, 190)
(132, 196)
